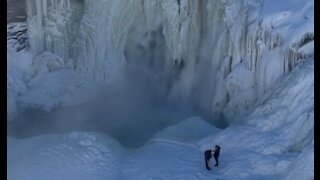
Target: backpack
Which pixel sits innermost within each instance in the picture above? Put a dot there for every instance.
(208, 154)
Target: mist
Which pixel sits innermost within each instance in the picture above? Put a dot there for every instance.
(130, 113)
(131, 110)
(153, 91)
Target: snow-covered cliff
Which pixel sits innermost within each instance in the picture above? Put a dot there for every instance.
(246, 62)
(219, 55)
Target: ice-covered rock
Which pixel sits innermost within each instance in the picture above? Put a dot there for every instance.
(19, 65)
(177, 41)
(55, 89)
(47, 62)
(17, 36)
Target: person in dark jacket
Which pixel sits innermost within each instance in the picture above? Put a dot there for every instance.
(207, 157)
(216, 154)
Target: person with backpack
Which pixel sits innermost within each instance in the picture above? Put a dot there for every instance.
(208, 155)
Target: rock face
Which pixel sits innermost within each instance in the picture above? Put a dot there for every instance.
(16, 11)
(219, 55)
(17, 36)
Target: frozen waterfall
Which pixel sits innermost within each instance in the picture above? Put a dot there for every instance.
(175, 42)
(102, 89)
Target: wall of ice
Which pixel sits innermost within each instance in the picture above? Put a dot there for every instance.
(216, 56)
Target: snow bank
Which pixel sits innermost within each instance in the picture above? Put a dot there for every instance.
(302, 167)
(186, 131)
(72, 156)
(281, 125)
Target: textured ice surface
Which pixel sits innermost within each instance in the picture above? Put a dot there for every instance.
(247, 61)
(191, 49)
(19, 71)
(275, 142)
(187, 131)
(17, 36)
(279, 127)
(71, 156)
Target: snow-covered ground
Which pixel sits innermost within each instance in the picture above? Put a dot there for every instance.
(258, 75)
(276, 142)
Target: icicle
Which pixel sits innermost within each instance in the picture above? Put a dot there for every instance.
(44, 4)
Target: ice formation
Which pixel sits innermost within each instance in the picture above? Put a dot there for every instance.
(177, 41)
(246, 62)
(276, 141)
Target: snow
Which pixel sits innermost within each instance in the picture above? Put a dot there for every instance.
(187, 131)
(256, 149)
(44, 81)
(58, 88)
(246, 62)
(308, 48)
(292, 20)
(235, 84)
(302, 163)
(72, 156)
(279, 125)
(19, 66)
(190, 38)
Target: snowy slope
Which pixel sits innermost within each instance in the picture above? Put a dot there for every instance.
(280, 127)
